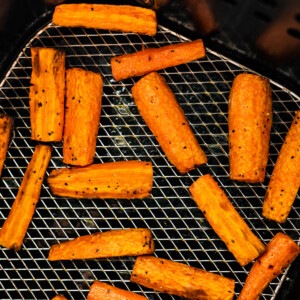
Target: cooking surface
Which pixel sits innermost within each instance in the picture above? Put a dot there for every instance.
(180, 230)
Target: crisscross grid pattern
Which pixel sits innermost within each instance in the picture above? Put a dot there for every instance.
(180, 230)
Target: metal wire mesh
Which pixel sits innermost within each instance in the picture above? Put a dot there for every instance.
(180, 230)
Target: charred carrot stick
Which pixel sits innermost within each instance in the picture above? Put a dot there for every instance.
(285, 179)
(179, 279)
(103, 291)
(111, 17)
(154, 59)
(127, 179)
(165, 118)
(82, 116)
(6, 123)
(280, 253)
(14, 228)
(249, 124)
(225, 220)
(127, 242)
(47, 94)
(59, 297)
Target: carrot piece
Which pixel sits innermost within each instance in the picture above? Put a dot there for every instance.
(82, 115)
(154, 59)
(165, 118)
(285, 179)
(280, 253)
(179, 279)
(6, 123)
(103, 291)
(59, 297)
(111, 17)
(127, 179)
(14, 228)
(225, 220)
(249, 124)
(126, 242)
(47, 94)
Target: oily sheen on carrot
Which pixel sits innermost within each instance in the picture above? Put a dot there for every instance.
(127, 179)
(14, 228)
(110, 17)
(82, 116)
(285, 180)
(225, 220)
(280, 253)
(127, 242)
(179, 279)
(6, 123)
(154, 59)
(249, 125)
(59, 297)
(47, 94)
(165, 118)
(103, 291)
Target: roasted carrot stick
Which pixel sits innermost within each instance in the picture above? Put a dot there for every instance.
(14, 228)
(103, 291)
(6, 123)
(47, 94)
(59, 297)
(285, 179)
(249, 124)
(82, 116)
(127, 179)
(280, 253)
(111, 17)
(165, 118)
(225, 220)
(154, 59)
(179, 279)
(112, 243)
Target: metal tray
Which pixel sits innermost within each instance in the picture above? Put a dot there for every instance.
(180, 230)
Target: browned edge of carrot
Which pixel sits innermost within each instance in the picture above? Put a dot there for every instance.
(82, 116)
(101, 291)
(285, 179)
(154, 59)
(225, 220)
(179, 279)
(6, 125)
(126, 242)
(15, 227)
(159, 108)
(126, 180)
(124, 18)
(281, 252)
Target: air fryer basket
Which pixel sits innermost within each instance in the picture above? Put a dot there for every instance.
(180, 230)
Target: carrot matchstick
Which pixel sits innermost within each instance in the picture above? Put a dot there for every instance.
(154, 59)
(6, 123)
(59, 297)
(165, 118)
(14, 228)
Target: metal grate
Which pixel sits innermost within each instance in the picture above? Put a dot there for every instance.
(180, 230)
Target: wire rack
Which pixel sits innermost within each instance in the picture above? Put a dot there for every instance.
(179, 228)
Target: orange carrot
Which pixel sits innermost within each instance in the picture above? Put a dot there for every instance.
(14, 228)
(6, 123)
(111, 17)
(154, 59)
(285, 179)
(47, 94)
(249, 124)
(126, 242)
(165, 118)
(225, 220)
(59, 297)
(280, 253)
(103, 291)
(82, 115)
(126, 179)
(182, 280)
